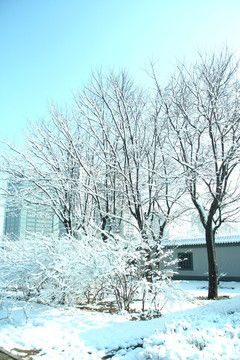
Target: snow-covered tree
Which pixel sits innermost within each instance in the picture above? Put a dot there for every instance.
(128, 137)
(49, 173)
(202, 108)
(105, 166)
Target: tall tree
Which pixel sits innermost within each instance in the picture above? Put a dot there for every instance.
(48, 166)
(128, 137)
(202, 107)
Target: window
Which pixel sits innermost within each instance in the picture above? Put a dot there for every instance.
(185, 261)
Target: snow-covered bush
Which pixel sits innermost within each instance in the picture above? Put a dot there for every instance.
(122, 271)
(78, 271)
(50, 270)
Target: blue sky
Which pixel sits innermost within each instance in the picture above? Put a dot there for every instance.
(50, 47)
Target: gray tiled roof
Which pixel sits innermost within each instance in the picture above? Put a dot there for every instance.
(227, 239)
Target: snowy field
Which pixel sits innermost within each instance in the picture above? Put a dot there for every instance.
(191, 329)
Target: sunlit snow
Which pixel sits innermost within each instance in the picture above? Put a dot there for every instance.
(194, 329)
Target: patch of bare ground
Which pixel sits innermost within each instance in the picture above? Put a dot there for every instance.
(26, 354)
(108, 307)
(221, 297)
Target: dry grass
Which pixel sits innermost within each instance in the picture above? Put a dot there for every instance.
(26, 354)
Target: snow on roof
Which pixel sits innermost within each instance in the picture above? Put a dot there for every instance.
(227, 239)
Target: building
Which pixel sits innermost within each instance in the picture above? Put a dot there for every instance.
(22, 222)
(22, 219)
(191, 256)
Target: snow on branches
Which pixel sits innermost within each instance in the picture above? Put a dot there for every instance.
(84, 271)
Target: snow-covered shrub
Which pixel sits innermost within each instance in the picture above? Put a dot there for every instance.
(50, 270)
(159, 289)
(64, 270)
(19, 266)
(122, 271)
(157, 295)
(125, 274)
(78, 271)
(67, 270)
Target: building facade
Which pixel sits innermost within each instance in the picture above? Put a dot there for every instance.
(192, 263)
(22, 219)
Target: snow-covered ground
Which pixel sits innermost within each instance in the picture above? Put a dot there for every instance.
(190, 330)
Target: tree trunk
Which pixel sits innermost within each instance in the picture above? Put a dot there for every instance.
(104, 227)
(212, 262)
